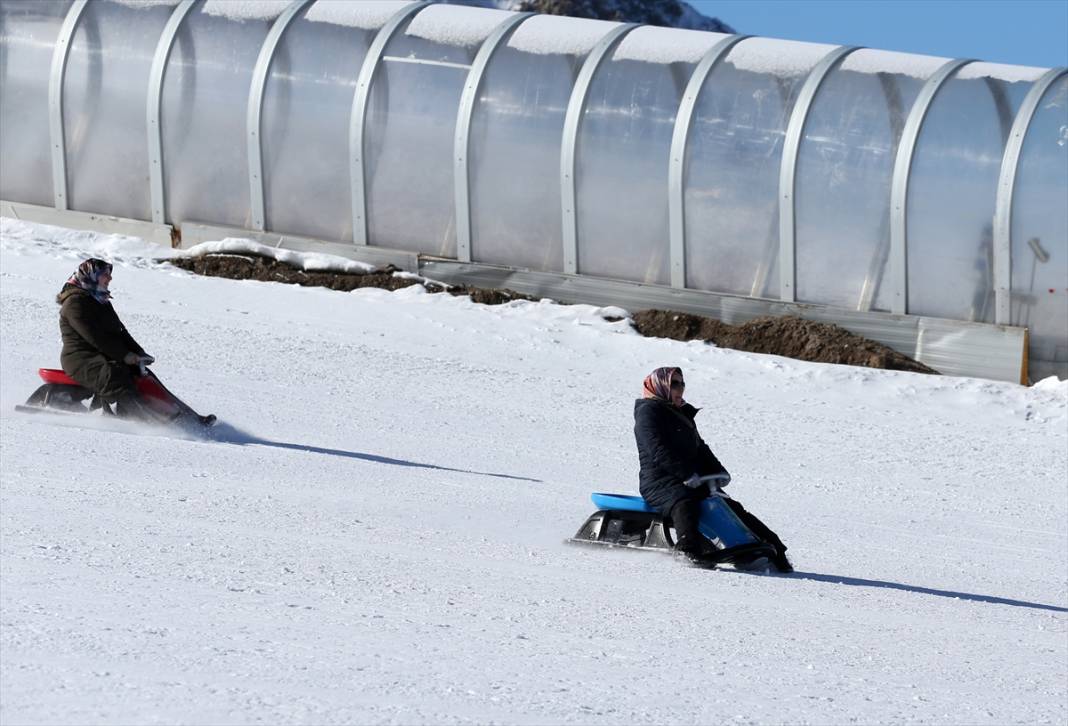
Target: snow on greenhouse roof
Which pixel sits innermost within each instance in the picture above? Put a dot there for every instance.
(779, 57)
(246, 9)
(665, 45)
(139, 4)
(1000, 72)
(365, 14)
(550, 34)
(456, 25)
(867, 60)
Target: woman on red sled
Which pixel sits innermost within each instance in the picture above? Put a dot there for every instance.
(100, 355)
(678, 469)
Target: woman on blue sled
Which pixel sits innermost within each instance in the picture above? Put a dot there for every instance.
(677, 468)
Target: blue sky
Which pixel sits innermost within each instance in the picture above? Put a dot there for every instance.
(1021, 32)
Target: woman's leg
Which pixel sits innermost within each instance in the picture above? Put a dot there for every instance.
(686, 516)
(762, 531)
(108, 379)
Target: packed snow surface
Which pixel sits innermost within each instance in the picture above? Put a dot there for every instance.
(376, 534)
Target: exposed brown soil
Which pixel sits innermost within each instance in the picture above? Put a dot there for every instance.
(265, 269)
(790, 336)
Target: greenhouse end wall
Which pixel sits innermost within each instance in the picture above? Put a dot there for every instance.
(859, 180)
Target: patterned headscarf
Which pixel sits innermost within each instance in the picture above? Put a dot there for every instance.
(88, 275)
(658, 383)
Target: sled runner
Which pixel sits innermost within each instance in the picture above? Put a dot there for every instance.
(155, 403)
(623, 520)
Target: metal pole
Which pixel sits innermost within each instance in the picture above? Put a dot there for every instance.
(1010, 162)
(677, 160)
(155, 100)
(573, 118)
(899, 188)
(358, 118)
(55, 102)
(788, 170)
(462, 168)
(255, 110)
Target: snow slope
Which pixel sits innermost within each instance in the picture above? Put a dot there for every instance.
(377, 538)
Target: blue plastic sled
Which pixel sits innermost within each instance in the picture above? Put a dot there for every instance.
(622, 520)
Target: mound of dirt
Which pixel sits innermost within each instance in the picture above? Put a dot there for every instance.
(265, 269)
(790, 336)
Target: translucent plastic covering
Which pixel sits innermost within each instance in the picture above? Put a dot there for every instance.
(515, 159)
(732, 168)
(952, 190)
(104, 98)
(314, 67)
(721, 214)
(844, 171)
(411, 124)
(28, 32)
(622, 157)
(1040, 230)
(205, 99)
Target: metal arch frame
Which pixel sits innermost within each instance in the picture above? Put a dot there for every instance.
(358, 119)
(899, 185)
(1010, 162)
(680, 138)
(55, 102)
(788, 169)
(255, 110)
(461, 168)
(154, 111)
(572, 120)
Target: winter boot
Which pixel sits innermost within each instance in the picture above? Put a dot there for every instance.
(781, 563)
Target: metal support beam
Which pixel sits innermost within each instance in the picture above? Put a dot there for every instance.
(358, 119)
(677, 160)
(795, 129)
(899, 186)
(55, 102)
(1010, 162)
(576, 105)
(255, 110)
(154, 110)
(462, 167)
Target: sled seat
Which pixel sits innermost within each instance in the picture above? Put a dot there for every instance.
(56, 377)
(620, 502)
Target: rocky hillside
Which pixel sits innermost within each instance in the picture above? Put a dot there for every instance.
(666, 13)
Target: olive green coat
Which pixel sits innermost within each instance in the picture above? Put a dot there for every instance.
(94, 343)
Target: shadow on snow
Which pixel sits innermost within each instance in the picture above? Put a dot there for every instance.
(861, 582)
(228, 434)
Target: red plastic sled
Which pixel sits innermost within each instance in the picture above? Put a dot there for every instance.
(61, 392)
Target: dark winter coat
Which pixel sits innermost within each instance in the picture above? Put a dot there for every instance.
(670, 451)
(94, 342)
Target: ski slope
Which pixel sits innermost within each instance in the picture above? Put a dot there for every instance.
(377, 535)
